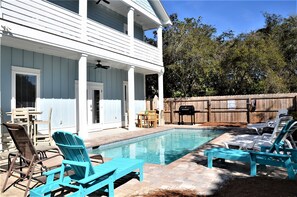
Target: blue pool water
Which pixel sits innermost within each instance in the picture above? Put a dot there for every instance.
(162, 148)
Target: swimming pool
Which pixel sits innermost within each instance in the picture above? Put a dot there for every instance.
(160, 148)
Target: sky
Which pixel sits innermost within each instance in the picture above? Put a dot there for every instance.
(241, 16)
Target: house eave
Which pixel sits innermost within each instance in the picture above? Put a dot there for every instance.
(158, 7)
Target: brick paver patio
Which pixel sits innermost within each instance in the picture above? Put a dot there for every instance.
(188, 172)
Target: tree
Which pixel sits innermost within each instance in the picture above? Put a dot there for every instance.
(286, 34)
(189, 57)
(252, 65)
(199, 63)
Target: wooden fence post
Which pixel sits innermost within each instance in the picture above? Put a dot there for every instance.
(171, 112)
(209, 110)
(248, 115)
(295, 103)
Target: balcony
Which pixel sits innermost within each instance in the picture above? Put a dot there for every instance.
(54, 21)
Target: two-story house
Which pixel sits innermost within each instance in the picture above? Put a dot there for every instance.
(85, 59)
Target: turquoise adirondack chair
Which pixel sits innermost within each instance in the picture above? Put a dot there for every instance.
(85, 178)
(268, 155)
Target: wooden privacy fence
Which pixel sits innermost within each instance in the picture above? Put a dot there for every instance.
(230, 109)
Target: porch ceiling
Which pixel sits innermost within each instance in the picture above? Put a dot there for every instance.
(60, 52)
(122, 8)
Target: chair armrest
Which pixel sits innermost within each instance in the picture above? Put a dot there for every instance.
(47, 158)
(274, 155)
(53, 171)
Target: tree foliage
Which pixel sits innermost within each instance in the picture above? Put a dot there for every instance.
(199, 62)
(189, 56)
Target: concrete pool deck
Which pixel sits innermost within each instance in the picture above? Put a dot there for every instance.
(187, 173)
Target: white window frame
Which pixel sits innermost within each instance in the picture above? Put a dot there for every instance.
(25, 71)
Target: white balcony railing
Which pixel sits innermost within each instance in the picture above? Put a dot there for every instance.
(107, 38)
(53, 19)
(146, 52)
(42, 16)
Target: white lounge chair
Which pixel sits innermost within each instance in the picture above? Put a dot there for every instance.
(258, 127)
(256, 141)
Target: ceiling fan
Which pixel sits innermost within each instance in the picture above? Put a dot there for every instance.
(99, 65)
(105, 1)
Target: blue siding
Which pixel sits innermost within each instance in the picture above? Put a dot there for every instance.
(57, 89)
(70, 5)
(17, 57)
(138, 32)
(56, 77)
(72, 76)
(6, 62)
(145, 5)
(47, 76)
(113, 81)
(28, 59)
(57, 85)
(64, 76)
(38, 61)
(106, 16)
(139, 86)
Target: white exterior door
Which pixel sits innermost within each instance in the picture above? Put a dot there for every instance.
(95, 105)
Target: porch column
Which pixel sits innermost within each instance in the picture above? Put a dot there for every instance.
(82, 96)
(131, 92)
(160, 41)
(161, 97)
(1, 115)
(130, 26)
(83, 12)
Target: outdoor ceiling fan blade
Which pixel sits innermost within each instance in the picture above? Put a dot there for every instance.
(105, 67)
(105, 1)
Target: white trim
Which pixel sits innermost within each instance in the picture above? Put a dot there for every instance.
(164, 18)
(143, 11)
(82, 95)
(161, 97)
(26, 71)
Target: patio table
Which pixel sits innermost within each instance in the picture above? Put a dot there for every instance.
(32, 117)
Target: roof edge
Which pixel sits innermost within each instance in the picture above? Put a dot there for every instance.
(158, 6)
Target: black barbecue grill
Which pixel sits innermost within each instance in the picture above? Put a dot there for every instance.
(186, 110)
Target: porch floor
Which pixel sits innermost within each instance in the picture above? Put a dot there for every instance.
(187, 173)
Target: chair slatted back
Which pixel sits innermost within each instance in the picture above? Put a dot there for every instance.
(280, 124)
(73, 149)
(22, 141)
(278, 143)
(20, 115)
(151, 115)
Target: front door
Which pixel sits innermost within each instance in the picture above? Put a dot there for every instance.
(95, 105)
